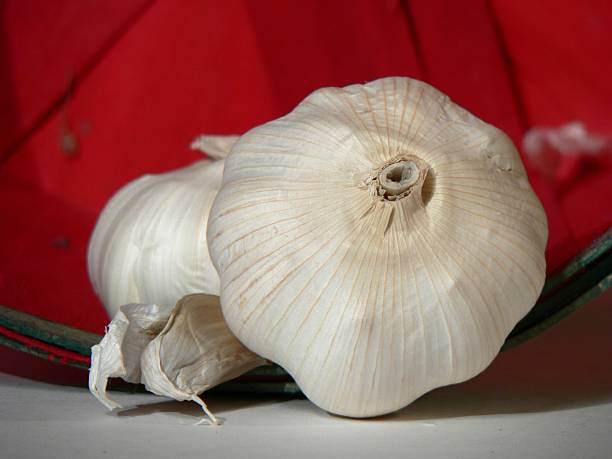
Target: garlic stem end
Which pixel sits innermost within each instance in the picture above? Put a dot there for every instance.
(398, 177)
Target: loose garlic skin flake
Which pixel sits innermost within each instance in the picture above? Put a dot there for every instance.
(377, 242)
(177, 354)
(194, 352)
(119, 352)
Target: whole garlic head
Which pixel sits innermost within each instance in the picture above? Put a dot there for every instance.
(377, 242)
(149, 244)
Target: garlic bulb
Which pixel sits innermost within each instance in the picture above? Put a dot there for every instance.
(377, 242)
(149, 244)
(177, 355)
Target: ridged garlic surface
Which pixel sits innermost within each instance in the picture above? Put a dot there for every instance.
(149, 244)
(377, 242)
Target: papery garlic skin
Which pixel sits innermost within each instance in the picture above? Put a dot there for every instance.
(118, 353)
(149, 244)
(177, 353)
(194, 352)
(371, 293)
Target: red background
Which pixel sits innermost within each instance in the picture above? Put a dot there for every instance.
(136, 80)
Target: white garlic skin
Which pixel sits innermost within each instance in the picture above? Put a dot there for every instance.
(179, 353)
(149, 244)
(118, 354)
(195, 351)
(370, 301)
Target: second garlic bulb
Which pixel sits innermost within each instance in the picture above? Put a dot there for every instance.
(149, 245)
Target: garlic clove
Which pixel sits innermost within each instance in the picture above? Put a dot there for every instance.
(195, 352)
(149, 244)
(177, 354)
(215, 146)
(377, 242)
(118, 353)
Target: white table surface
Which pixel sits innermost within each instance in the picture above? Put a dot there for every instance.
(550, 398)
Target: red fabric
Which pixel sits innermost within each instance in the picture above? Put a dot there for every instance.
(561, 61)
(461, 55)
(155, 74)
(43, 46)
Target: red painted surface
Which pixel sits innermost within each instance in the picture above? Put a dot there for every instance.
(52, 352)
(149, 76)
